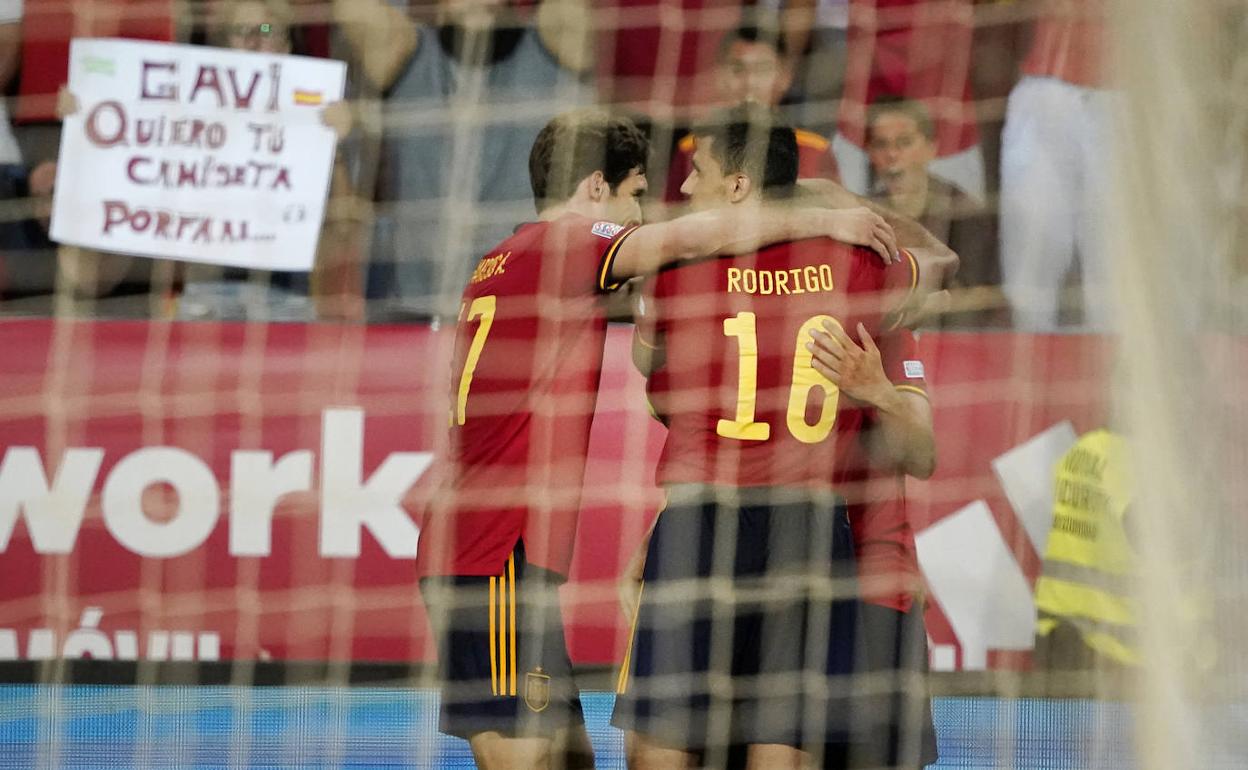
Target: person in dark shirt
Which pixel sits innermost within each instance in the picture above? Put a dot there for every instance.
(901, 146)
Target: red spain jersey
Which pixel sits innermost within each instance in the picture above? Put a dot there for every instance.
(888, 562)
(524, 378)
(744, 406)
(814, 161)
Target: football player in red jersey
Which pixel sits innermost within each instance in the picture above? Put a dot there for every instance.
(893, 721)
(497, 540)
(746, 572)
(754, 67)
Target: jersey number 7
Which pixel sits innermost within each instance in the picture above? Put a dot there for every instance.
(482, 308)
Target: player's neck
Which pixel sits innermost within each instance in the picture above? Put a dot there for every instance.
(573, 206)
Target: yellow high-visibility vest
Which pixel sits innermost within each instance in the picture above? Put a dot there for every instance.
(1089, 562)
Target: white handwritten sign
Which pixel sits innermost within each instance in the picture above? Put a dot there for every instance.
(194, 153)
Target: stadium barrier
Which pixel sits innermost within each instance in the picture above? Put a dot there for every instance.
(218, 492)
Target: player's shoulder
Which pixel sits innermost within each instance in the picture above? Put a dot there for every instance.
(572, 227)
(827, 249)
(529, 240)
(524, 234)
(568, 233)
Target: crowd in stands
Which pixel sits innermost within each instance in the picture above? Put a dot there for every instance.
(902, 101)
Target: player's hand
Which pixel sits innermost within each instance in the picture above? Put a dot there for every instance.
(856, 369)
(863, 227)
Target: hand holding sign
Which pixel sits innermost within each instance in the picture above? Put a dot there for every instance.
(195, 153)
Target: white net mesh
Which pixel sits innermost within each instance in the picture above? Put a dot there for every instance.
(214, 482)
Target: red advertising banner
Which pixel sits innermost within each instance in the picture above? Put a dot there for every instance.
(201, 491)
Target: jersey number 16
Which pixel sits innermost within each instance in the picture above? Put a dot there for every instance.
(743, 427)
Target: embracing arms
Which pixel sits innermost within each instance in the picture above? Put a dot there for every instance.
(741, 229)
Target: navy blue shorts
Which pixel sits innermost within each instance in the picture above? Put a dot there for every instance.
(891, 720)
(502, 659)
(746, 627)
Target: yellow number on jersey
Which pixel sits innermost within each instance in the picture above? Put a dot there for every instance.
(804, 378)
(483, 308)
(744, 428)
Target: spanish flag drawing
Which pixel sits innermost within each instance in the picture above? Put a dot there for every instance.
(305, 98)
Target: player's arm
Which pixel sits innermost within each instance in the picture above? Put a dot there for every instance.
(629, 586)
(648, 354)
(742, 230)
(903, 435)
(937, 262)
(903, 438)
(825, 192)
(649, 350)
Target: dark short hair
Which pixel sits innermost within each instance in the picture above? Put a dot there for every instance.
(763, 33)
(911, 108)
(753, 140)
(575, 144)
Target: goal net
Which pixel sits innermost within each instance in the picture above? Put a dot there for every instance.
(221, 484)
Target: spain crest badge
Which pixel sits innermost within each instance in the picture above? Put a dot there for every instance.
(537, 690)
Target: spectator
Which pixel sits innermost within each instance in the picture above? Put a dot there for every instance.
(51, 24)
(658, 57)
(25, 270)
(1054, 172)
(901, 146)
(46, 29)
(754, 67)
(10, 56)
(815, 32)
(19, 233)
(917, 49)
(454, 174)
(334, 287)
(210, 292)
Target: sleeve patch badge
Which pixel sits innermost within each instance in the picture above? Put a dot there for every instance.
(606, 230)
(913, 370)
